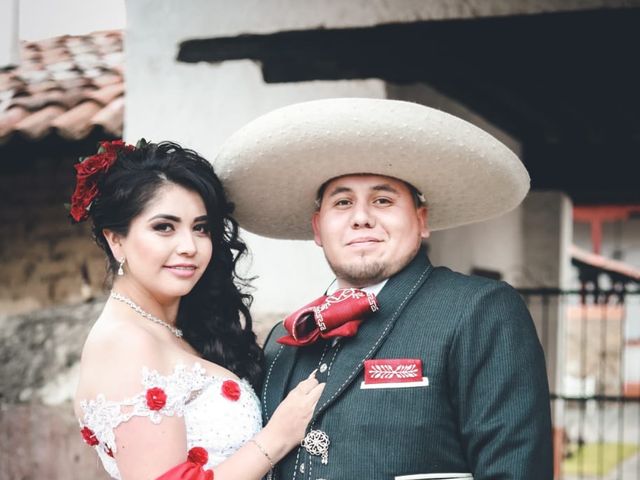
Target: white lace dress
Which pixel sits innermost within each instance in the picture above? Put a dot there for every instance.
(220, 414)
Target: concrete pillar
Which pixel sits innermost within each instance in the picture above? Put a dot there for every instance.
(9, 54)
(548, 229)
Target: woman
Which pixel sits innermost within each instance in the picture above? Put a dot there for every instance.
(169, 370)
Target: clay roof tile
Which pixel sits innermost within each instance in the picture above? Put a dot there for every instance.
(75, 124)
(37, 125)
(108, 93)
(10, 119)
(66, 85)
(111, 117)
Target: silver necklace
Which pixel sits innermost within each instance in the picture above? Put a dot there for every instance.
(126, 300)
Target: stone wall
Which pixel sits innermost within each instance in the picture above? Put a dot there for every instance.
(39, 355)
(44, 259)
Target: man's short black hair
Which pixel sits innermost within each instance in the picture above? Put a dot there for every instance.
(418, 197)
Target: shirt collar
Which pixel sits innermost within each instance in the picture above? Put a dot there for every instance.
(375, 289)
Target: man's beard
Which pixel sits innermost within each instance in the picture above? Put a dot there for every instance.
(360, 274)
(363, 272)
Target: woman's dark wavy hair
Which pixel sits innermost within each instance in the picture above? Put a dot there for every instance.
(209, 315)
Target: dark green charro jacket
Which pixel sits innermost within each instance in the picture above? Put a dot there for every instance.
(485, 411)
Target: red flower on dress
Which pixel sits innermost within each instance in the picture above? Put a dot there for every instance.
(88, 172)
(156, 398)
(89, 436)
(198, 455)
(230, 390)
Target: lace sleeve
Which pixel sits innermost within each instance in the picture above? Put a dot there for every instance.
(162, 395)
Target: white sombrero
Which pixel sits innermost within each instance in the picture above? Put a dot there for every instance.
(272, 167)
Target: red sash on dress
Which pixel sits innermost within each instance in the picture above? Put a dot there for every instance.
(191, 469)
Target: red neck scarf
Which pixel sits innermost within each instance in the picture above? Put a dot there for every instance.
(330, 316)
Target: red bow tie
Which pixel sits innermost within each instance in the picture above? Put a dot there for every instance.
(336, 315)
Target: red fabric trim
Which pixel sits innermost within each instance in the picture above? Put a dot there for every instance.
(191, 469)
(187, 471)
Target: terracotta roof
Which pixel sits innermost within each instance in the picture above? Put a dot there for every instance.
(66, 86)
(607, 265)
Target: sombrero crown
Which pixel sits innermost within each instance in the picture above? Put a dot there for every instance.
(272, 167)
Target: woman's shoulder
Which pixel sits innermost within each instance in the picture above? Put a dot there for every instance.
(113, 357)
(109, 335)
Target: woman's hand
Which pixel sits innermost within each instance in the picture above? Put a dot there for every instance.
(289, 421)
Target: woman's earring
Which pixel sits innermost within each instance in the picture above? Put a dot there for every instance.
(120, 265)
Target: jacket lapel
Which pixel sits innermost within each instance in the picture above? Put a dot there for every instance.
(277, 374)
(392, 300)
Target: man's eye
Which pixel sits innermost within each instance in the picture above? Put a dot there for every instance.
(342, 203)
(163, 227)
(383, 201)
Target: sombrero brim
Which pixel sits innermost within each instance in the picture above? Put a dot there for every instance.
(272, 167)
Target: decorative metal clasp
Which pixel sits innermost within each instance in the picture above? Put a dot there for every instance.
(316, 442)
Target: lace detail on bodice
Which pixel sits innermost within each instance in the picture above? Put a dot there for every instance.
(220, 414)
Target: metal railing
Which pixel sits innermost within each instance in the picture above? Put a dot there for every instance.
(592, 347)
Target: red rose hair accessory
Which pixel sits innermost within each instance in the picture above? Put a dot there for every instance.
(156, 398)
(230, 390)
(88, 171)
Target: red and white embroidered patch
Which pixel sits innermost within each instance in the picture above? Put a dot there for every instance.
(393, 372)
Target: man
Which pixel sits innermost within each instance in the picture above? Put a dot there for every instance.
(429, 373)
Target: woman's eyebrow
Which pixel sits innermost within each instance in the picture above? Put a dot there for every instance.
(165, 216)
(173, 218)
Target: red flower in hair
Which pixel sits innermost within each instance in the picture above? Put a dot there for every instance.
(156, 398)
(82, 198)
(89, 436)
(116, 145)
(198, 455)
(88, 172)
(230, 390)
